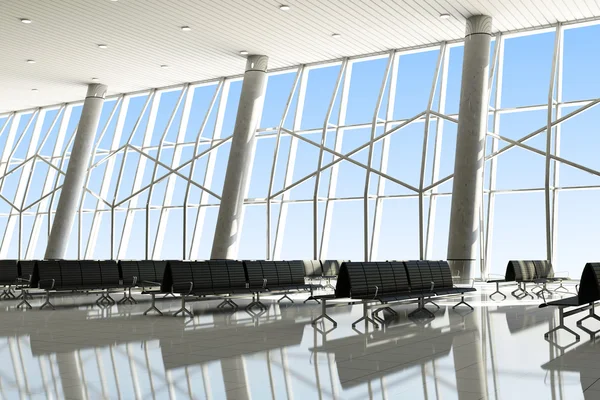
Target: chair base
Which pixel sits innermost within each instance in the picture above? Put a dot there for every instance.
(153, 306)
(461, 302)
(285, 296)
(366, 318)
(183, 310)
(498, 292)
(47, 302)
(324, 315)
(24, 303)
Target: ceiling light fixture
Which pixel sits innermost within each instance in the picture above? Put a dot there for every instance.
(444, 16)
(96, 79)
(30, 61)
(164, 66)
(25, 20)
(243, 53)
(284, 7)
(102, 46)
(336, 35)
(186, 28)
(34, 90)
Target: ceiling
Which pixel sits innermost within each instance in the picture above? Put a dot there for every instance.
(142, 35)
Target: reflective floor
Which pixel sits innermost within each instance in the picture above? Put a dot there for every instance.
(497, 351)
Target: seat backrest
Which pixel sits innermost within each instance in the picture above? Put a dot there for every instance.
(437, 275)
(284, 275)
(543, 269)
(28, 269)
(159, 270)
(254, 274)
(129, 270)
(312, 268)
(446, 274)
(332, 267)
(386, 278)
(49, 270)
(415, 280)
(70, 272)
(180, 274)
(90, 273)
(269, 270)
(219, 275)
(146, 271)
(297, 271)
(589, 287)
(520, 271)
(109, 269)
(400, 276)
(9, 272)
(352, 281)
(237, 274)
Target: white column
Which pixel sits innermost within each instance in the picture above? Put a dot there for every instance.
(469, 163)
(231, 211)
(74, 182)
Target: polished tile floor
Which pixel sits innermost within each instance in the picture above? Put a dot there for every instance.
(497, 351)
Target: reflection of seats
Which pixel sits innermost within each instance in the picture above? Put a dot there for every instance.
(401, 335)
(521, 318)
(9, 274)
(576, 360)
(172, 350)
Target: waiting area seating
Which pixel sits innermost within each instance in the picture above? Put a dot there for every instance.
(140, 273)
(395, 281)
(588, 295)
(522, 272)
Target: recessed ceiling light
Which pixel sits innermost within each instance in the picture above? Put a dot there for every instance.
(30, 61)
(186, 28)
(102, 46)
(284, 7)
(444, 16)
(25, 20)
(336, 35)
(96, 79)
(164, 66)
(243, 53)
(34, 90)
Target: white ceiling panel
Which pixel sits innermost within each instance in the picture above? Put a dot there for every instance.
(142, 35)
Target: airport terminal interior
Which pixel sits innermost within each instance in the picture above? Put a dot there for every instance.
(299, 199)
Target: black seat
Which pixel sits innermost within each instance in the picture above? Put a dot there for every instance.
(178, 277)
(49, 273)
(9, 272)
(91, 276)
(70, 272)
(129, 272)
(109, 269)
(312, 269)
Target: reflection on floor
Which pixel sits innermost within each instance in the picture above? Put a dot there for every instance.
(497, 351)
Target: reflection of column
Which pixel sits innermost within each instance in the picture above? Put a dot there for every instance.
(74, 182)
(471, 354)
(233, 369)
(68, 370)
(231, 212)
(470, 140)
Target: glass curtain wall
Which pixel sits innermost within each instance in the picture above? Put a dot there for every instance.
(354, 160)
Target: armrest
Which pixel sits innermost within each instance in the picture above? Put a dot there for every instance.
(47, 280)
(264, 283)
(184, 286)
(432, 285)
(28, 280)
(376, 292)
(149, 283)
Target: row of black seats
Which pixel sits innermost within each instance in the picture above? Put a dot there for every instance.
(539, 272)
(386, 282)
(225, 279)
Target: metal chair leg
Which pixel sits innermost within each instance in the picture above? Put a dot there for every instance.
(153, 306)
(285, 296)
(421, 310)
(47, 302)
(324, 315)
(592, 315)
(183, 310)
(462, 301)
(561, 287)
(498, 292)
(24, 301)
(365, 318)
